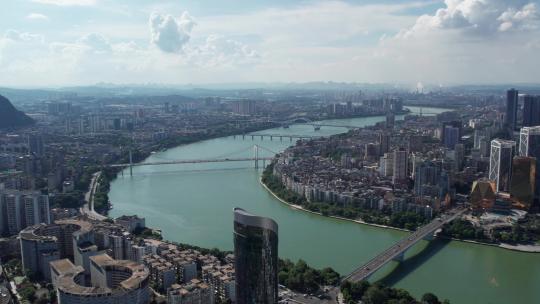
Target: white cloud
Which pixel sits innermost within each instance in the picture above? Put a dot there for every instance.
(481, 17)
(170, 34)
(218, 51)
(67, 2)
(37, 16)
(96, 42)
(526, 18)
(14, 35)
(479, 41)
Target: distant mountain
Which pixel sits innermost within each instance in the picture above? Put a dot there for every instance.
(11, 117)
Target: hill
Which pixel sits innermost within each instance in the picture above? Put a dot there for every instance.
(11, 117)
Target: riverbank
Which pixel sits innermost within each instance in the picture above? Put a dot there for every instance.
(300, 208)
(517, 248)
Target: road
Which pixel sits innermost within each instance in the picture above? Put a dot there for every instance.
(88, 207)
(288, 296)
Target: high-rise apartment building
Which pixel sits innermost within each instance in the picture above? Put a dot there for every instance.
(400, 163)
(459, 156)
(500, 163)
(426, 173)
(450, 137)
(384, 143)
(35, 145)
(245, 107)
(531, 111)
(390, 120)
(20, 209)
(510, 117)
(256, 258)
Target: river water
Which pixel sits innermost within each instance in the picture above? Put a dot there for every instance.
(192, 203)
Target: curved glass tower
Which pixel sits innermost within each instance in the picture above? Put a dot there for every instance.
(256, 258)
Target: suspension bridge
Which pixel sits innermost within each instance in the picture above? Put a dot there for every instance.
(256, 158)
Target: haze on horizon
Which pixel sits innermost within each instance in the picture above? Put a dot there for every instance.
(80, 42)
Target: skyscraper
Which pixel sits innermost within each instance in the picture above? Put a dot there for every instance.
(450, 136)
(22, 209)
(531, 111)
(459, 156)
(500, 163)
(511, 109)
(35, 144)
(400, 166)
(390, 120)
(256, 258)
(522, 186)
(426, 173)
(529, 145)
(384, 143)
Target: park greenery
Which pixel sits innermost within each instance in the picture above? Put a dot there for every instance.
(526, 231)
(464, 230)
(67, 200)
(379, 294)
(147, 233)
(302, 278)
(404, 220)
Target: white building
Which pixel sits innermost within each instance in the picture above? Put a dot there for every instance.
(500, 163)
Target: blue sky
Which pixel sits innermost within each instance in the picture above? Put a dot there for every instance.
(73, 42)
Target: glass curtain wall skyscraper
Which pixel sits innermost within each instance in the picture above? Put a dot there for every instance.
(510, 117)
(529, 145)
(500, 163)
(531, 111)
(256, 258)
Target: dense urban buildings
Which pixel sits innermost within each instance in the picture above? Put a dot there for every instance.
(256, 258)
(111, 281)
(405, 171)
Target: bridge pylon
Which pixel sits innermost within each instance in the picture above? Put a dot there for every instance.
(400, 257)
(130, 163)
(256, 156)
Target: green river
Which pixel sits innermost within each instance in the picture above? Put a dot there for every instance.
(192, 203)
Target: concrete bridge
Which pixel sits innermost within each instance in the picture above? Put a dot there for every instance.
(397, 251)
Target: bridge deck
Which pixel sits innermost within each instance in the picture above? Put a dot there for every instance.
(400, 247)
(281, 135)
(192, 161)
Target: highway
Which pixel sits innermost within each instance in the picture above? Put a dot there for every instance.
(88, 207)
(399, 248)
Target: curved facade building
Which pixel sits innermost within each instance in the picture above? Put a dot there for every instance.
(113, 282)
(41, 244)
(256, 258)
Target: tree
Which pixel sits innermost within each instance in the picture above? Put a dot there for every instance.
(375, 295)
(28, 292)
(429, 298)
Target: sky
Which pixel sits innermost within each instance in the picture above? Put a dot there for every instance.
(84, 42)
